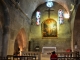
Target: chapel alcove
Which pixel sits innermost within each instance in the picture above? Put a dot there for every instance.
(20, 42)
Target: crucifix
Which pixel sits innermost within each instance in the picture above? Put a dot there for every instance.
(49, 12)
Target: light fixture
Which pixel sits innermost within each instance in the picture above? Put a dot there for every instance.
(66, 15)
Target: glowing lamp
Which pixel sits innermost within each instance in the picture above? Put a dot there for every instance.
(66, 15)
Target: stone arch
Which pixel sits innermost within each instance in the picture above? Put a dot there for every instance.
(44, 12)
(20, 41)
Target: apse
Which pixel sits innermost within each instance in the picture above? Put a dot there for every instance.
(50, 28)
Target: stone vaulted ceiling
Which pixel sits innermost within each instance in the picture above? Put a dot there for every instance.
(31, 5)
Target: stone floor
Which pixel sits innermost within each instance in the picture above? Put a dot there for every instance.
(45, 57)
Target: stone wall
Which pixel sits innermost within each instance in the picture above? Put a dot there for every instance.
(76, 30)
(18, 21)
(61, 44)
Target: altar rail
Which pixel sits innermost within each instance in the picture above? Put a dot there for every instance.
(10, 57)
(21, 57)
(40, 55)
(37, 54)
(67, 54)
(64, 54)
(3, 58)
(68, 58)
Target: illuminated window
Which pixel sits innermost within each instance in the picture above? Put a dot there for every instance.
(49, 4)
(38, 15)
(60, 16)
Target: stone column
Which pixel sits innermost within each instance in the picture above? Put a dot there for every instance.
(5, 28)
(5, 44)
(1, 32)
(10, 49)
(72, 42)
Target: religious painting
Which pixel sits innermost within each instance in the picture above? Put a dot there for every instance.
(49, 28)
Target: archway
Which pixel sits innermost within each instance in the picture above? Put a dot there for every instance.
(20, 42)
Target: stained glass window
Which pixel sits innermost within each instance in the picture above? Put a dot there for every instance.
(60, 16)
(38, 15)
(49, 4)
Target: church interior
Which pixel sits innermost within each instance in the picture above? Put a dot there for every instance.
(39, 25)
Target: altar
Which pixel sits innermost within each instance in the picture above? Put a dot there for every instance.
(46, 52)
